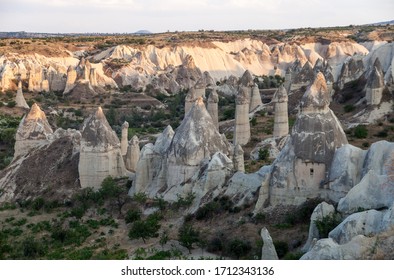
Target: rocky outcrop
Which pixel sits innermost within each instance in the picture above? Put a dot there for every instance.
(268, 251)
(34, 131)
(100, 154)
(346, 171)
(375, 190)
(212, 107)
(71, 78)
(195, 139)
(288, 77)
(375, 85)
(124, 141)
(150, 173)
(281, 119)
(6, 77)
(242, 125)
(20, 99)
(93, 77)
(352, 69)
(301, 169)
(321, 211)
(133, 154)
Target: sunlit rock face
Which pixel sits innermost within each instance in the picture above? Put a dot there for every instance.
(100, 154)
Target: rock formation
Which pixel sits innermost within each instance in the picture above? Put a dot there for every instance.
(133, 154)
(281, 120)
(246, 80)
(195, 139)
(287, 83)
(238, 159)
(6, 76)
(375, 85)
(190, 99)
(242, 125)
(100, 154)
(268, 251)
(352, 69)
(124, 141)
(212, 107)
(20, 99)
(150, 173)
(71, 78)
(45, 86)
(321, 211)
(255, 100)
(35, 80)
(93, 77)
(34, 131)
(301, 169)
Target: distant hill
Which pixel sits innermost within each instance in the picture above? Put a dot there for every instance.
(390, 22)
(143, 32)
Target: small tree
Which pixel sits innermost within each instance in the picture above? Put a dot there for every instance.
(188, 236)
(145, 229)
(117, 194)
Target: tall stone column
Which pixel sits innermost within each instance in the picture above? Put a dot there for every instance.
(212, 107)
(124, 140)
(281, 118)
(242, 125)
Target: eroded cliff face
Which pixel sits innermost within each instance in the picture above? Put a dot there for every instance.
(170, 69)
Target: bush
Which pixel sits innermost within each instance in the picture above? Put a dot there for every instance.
(132, 216)
(239, 248)
(325, 225)
(145, 229)
(360, 132)
(263, 154)
(11, 104)
(281, 248)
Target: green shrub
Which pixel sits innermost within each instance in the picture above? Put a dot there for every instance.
(132, 216)
(281, 248)
(263, 154)
(145, 229)
(239, 248)
(325, 225)
(360, 132)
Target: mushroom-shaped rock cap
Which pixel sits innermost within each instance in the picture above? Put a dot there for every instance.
(247, 79)
(134, 141)
(317, 95)
(280, 95)
(213, 97)
(125, 125)
(191, 95)
(242, 96)
(97, 131)
(34, 126)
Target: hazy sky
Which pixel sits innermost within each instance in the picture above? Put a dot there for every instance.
(162, 15)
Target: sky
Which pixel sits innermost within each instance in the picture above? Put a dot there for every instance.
(127, 16)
